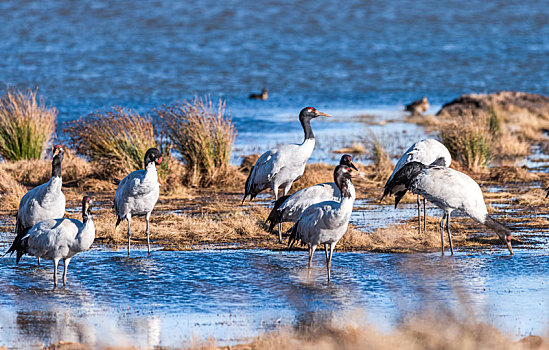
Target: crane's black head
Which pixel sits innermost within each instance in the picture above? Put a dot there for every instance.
(342, 178)
(346, 159)
(58, 153)
(153, 155)
(309, 113)
(86, 207)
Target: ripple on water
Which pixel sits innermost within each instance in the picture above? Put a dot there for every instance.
(231, 295)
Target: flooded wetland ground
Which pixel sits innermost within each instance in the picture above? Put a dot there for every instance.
(215, 276)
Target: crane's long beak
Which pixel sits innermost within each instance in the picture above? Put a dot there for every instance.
(319, 113)
(352, 165)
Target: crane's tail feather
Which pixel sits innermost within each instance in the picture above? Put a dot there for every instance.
(275, 216)
(19, 244)
(247, 186)
(503, 232)
(293, 235)
(400, 183)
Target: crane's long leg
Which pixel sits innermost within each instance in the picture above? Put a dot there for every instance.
(66, 266)
(424, 217)
(55, 263)
(275, 190)
(312, 249)
(326, 252)
(129, 218)
(442, 233)
(418, 216)
(332, 246)
(38, 261)
(148, 240)
(449, 234)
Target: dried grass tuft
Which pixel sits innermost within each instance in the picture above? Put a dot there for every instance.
(26, 125)
(203, 135)
(115, 141)
(11, 191)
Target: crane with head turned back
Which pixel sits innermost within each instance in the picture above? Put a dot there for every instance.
(326, 222)
(43, 202)
(137, 194)
(449, 190)
(289, 208)
(428, 152)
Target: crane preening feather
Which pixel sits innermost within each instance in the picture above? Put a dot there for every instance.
(280, 167)
(43, 202)
(289, 208)
(326, 222)
(137, 194)
(428, 152)
(450, 190)
(57, 239)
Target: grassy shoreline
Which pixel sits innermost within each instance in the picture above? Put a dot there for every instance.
(187, 218)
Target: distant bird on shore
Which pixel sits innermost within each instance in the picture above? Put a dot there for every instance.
(428, 152)
(280, 167)
(43, 202)
(57, 239)
(450, 190)
(289, 208)
(418, 107)
(262, 96)
(137, 194)
(326, 222)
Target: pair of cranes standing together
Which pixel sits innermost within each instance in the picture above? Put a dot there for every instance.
(320, 213)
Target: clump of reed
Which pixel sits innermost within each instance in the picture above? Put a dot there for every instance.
(381, 161)
(116, 141)
(203, 135)
(476, 138)
(26, 125)
(469, 139)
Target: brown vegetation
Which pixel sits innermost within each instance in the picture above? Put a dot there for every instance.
(115, 141)
(203, 135)
(26, 125)
(431, 330)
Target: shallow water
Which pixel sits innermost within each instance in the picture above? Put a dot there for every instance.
(230, 295)
(356, 57)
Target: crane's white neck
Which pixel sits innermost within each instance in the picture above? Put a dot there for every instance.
(85, 237)
(151, 173)
(56, 182)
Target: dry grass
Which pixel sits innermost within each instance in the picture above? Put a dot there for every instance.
(26, 125)
(203, 135)
(439, 329)
(11, 191)
(382, 162)
(115, 141)
(355, 148)
(36, 172)
(469, 139)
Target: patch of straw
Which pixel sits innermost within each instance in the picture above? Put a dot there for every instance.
(203, 135)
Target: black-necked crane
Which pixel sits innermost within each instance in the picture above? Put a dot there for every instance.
(449, 190)
(428, 152)
(137, 194)
(43, 202)
(289, 208)
(58, 239)
(280, 167)
(326, 222)
(418, 107)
